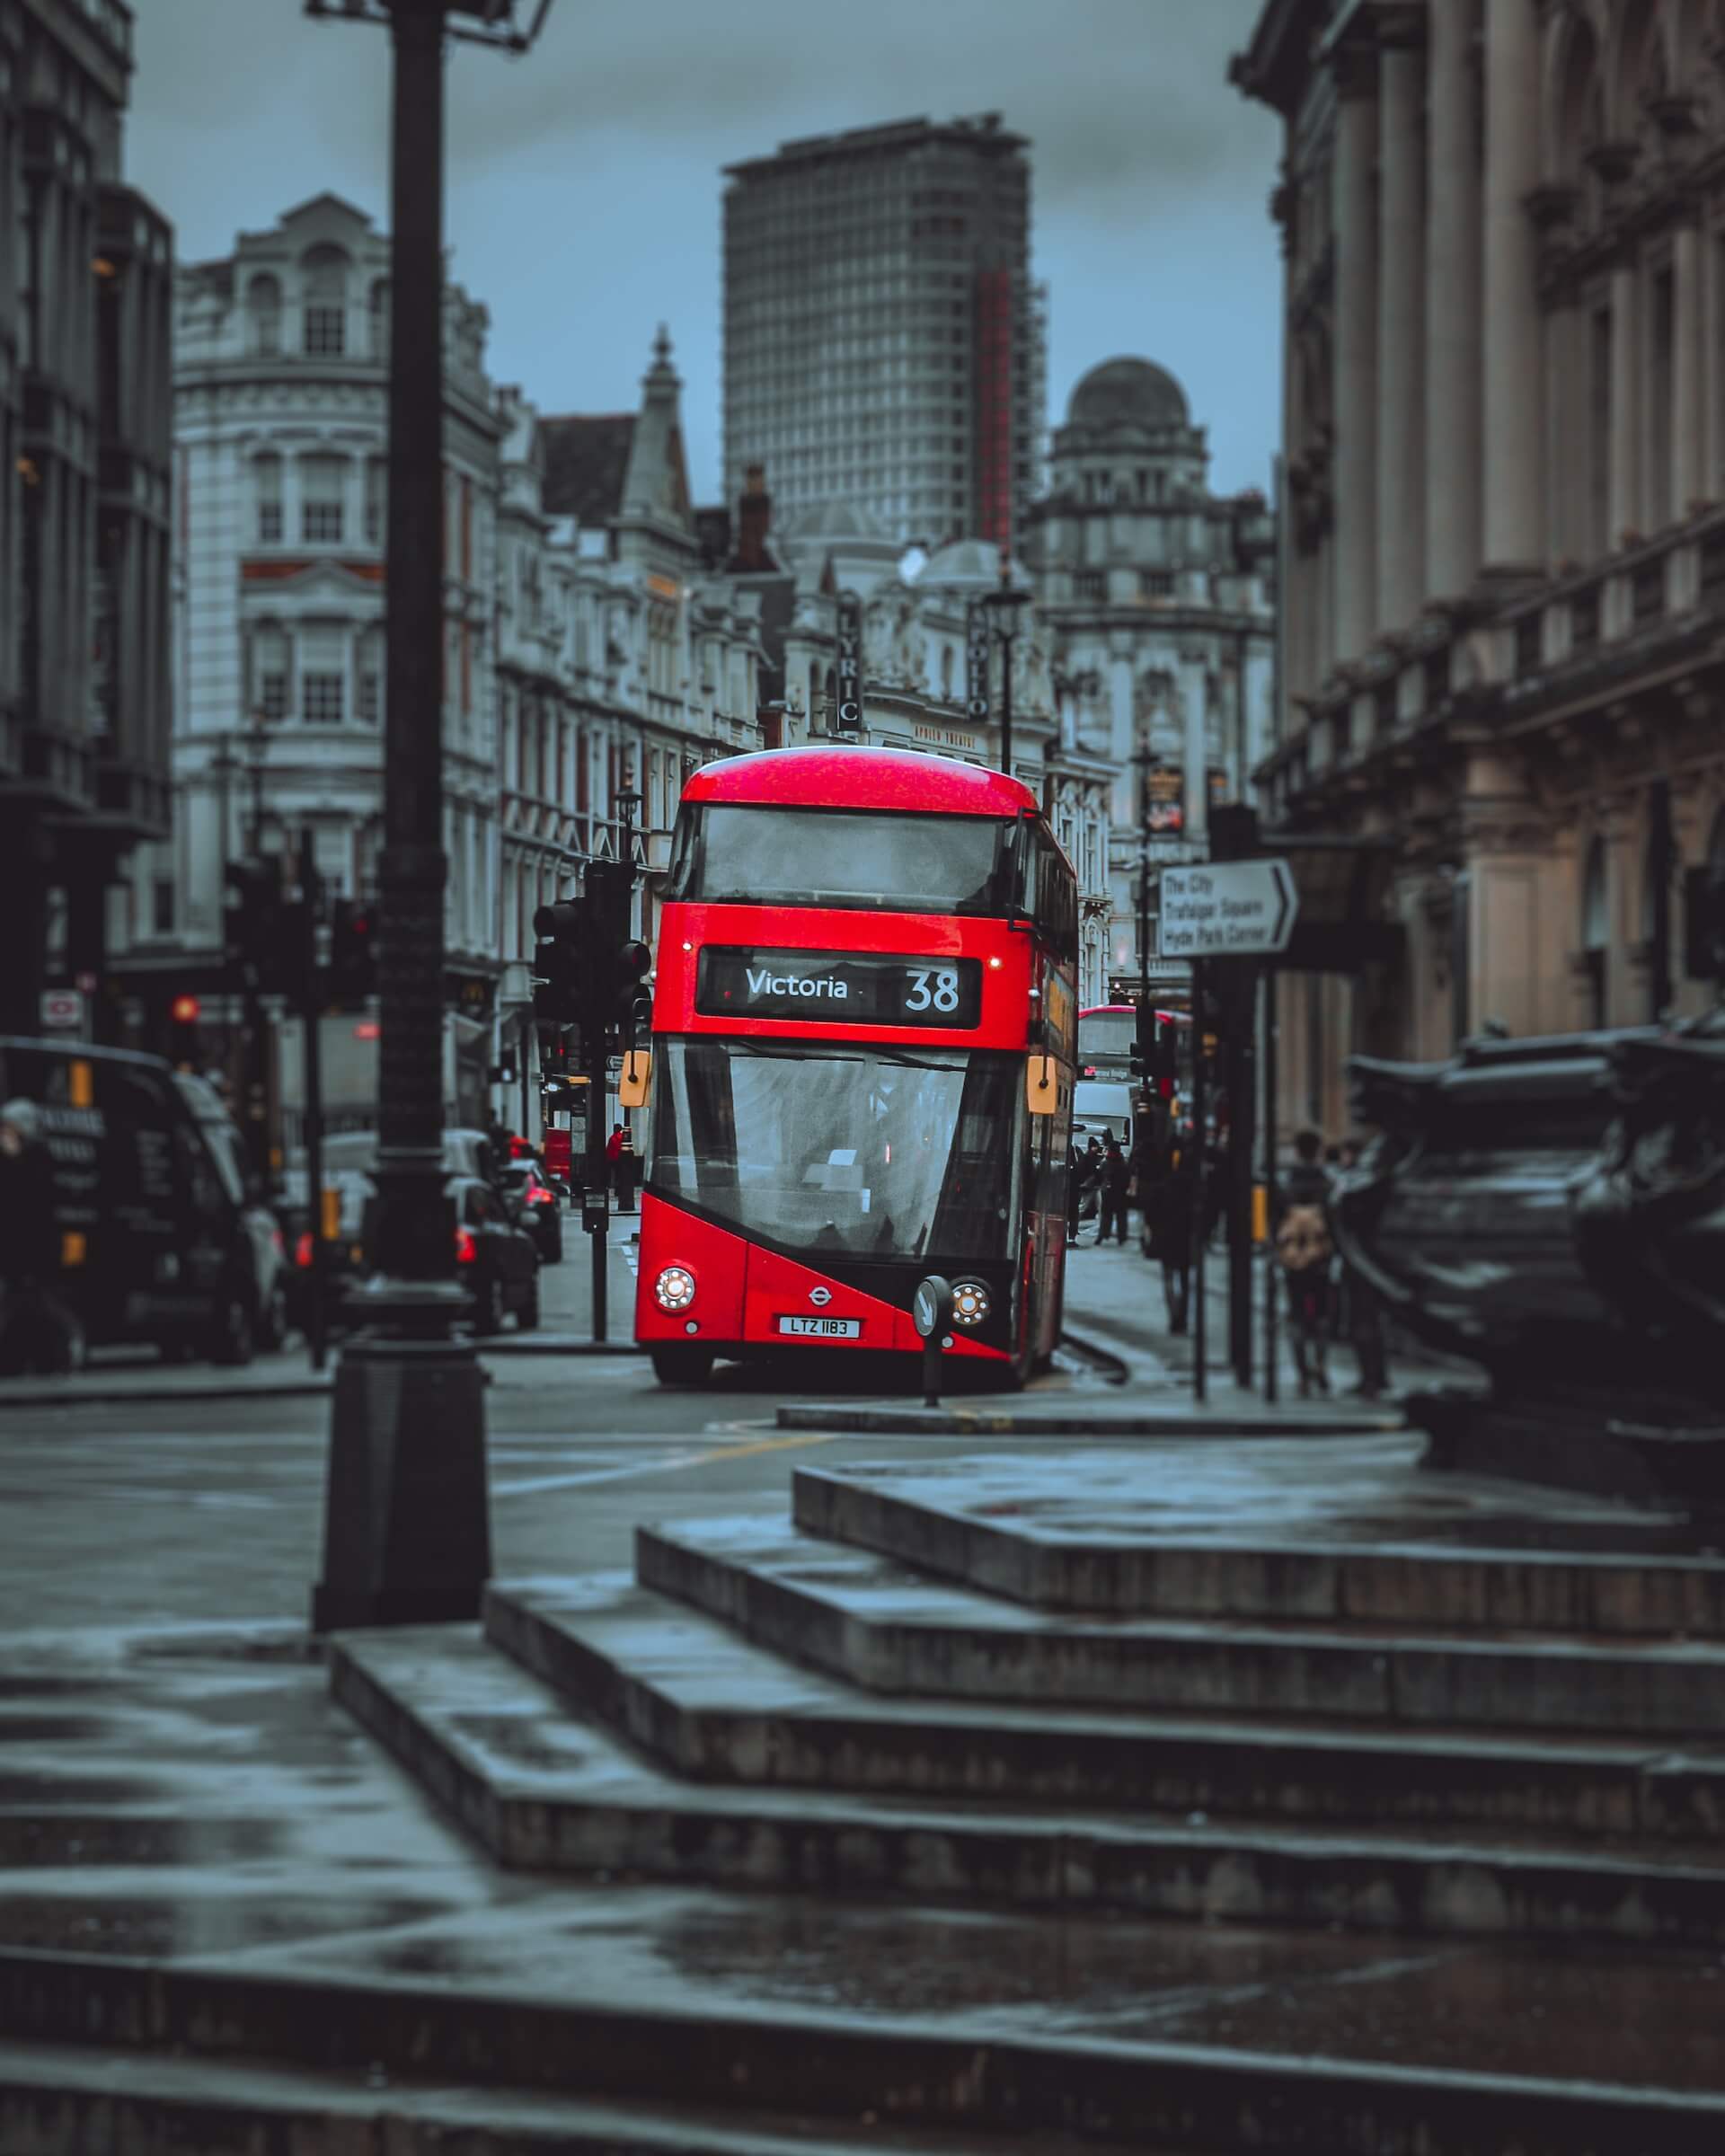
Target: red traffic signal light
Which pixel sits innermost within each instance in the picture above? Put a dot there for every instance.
(184, 1010)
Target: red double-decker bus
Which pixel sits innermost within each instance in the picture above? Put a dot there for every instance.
(864, 1021)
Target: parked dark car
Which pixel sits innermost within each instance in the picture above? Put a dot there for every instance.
(268, 1247)
(538, 1207)
(497, 1260)
(162, 1239)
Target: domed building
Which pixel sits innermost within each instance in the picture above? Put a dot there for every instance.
(1157, 599)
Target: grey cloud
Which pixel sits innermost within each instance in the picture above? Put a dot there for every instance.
(583, 198)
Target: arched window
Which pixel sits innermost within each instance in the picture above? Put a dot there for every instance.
(263, 307)
(377, 312)
(325, 272)
(1595, 929)
(946, 672)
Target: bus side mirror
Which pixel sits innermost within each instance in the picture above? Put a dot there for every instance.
(637, 1076)
(1042, 1085)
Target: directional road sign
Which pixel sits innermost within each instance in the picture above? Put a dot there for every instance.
(1226, 909)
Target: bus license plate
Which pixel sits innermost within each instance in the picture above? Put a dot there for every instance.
(823, 1329)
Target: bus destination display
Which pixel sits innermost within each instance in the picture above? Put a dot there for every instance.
(844, 987)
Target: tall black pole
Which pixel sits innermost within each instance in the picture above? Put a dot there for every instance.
(407, 1535)
(1006, 702)
(311, 1019)
(1272, 1286)
(1200, 1182)
(1662, 850)
(1240, 1012)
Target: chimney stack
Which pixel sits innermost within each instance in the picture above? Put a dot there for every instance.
(754, 515)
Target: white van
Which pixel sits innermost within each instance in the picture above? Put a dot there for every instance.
(1099, 1106)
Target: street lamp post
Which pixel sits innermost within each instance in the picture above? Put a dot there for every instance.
(1004, 601)
(407, 1532)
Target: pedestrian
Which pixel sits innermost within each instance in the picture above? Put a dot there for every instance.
(36, 1333)
(1168, 1223)
(628, 1164)
(612, 1157)
(1304, 1250)
(1074, 1187)
(1116, 1177)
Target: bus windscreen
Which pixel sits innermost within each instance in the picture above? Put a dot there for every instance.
(874, 1153)
(750, 854)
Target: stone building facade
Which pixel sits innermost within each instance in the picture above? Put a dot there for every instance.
(280, 381)
(1156, 598)
(916, 691)
(85, 447)
(624, 660)
(1504, 424)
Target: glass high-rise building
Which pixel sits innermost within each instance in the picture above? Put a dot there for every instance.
(884, 345)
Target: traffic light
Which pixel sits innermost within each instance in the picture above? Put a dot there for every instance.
(184, 1047)
(252, 923)
(560, 963)
(616, 963)
(1144, 1042)
(353, 958)
(635, 1005)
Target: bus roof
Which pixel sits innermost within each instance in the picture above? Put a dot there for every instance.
(854, 777)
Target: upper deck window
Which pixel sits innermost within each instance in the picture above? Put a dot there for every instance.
(758, 855)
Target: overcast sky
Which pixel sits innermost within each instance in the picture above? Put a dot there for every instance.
(584, 181)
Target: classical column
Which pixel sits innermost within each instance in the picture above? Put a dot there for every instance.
(1512, 538)
(1688, 433)
(1625, 403)
(1356, 397)
(1712, 271)
(1453, 399)
(1194, 697)
(1401, 340)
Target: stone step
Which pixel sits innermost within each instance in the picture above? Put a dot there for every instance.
(543, 1791)
(1093, 2036)
(869, 1620)
(55, 2098)
(1006, 1529)
(716, 1708)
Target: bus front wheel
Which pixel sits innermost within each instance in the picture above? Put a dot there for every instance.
(677, 1365)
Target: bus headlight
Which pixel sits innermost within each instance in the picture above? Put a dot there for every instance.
(970, 1303)
(675, 1287)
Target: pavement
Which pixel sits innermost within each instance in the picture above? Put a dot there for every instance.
(231, 1916)
(1116, 1313)
(124, 1376)
(228, 1917)
(1116, 1331)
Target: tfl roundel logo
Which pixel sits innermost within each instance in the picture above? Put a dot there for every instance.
(821, 1297)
